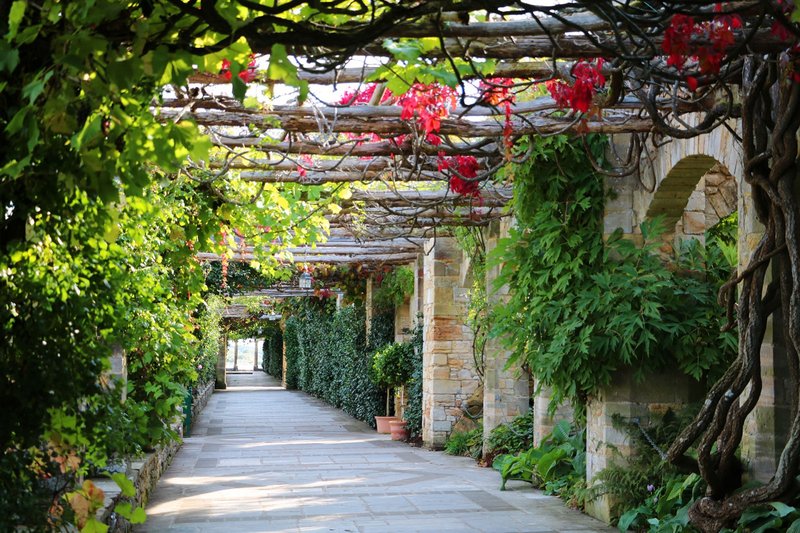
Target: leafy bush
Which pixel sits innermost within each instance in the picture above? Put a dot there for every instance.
(582, 308)
(327, 355)
(512, 437)
(413, 412)
(393, 364)
(468, 444)
(557, 465)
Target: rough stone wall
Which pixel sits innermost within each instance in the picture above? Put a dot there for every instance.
(449, 376)
(543, 420)
(506, 393)
(640, 401)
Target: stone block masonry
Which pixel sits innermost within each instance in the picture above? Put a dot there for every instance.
(449, 375)
(506, 392)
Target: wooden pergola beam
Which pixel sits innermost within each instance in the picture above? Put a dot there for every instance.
(385, 126)
(331, 176)
(355, 148)
(531, 70)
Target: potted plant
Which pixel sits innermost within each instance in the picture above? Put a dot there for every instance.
(391, 367)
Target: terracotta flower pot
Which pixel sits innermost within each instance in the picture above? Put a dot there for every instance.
(383, 423)
(398, 429)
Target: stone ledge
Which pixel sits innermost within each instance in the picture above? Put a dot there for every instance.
(145, 472)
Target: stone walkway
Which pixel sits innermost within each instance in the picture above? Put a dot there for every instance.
(264, 459)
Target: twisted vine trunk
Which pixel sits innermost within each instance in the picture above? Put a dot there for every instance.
(770, 125)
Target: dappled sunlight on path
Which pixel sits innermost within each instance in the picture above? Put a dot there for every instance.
(264, 459)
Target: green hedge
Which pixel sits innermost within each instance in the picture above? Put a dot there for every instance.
(327, 355)
(413, 412)
(272, 359)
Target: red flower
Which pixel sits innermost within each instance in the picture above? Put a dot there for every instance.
(578, 96)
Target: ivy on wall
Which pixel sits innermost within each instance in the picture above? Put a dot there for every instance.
(581, 309)
(272, 361)
(413, 411)
(328, 355)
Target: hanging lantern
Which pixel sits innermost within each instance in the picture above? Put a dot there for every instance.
(305, 280)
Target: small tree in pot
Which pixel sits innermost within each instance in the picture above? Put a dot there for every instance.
(392, 366)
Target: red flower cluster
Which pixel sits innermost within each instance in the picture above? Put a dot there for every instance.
(430, 103)
(682, 36)
(464, 170)
(578, 96)
(247, 75)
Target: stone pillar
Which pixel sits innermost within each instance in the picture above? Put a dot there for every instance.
(643, 402)
(116, 378)
(543, 420)
(449, 376)
(368, 305)
(506, 393)
(255, 355)
(766, 429)
(221, 382)
(236, 355)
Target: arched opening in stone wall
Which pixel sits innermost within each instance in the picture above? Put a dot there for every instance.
(695, 195)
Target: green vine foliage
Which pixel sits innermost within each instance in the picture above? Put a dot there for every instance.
(394, 287)
(327, 355)
(582, 309)
(272, 362)
(413, 411)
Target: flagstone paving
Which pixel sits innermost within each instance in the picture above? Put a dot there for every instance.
(261, 458)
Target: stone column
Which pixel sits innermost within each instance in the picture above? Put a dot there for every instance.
(449, 376)
(255, 355)
(642, 402)
(117, 376)
(221, 382)
(506, 393)
(766, 429)
(368, 306)
(236, 355)
(543, 420)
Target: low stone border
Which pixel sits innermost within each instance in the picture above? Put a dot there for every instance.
(145, 472)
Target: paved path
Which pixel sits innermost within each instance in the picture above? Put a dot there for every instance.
(264, 459)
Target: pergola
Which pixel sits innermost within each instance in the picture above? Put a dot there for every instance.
(655, 90)
(318, 143)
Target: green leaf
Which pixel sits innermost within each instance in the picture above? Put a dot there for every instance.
(9, 59)
(783, 509)
(124, 509)
(125, 484)
(94, 526)
(138, 516)
(15, 15)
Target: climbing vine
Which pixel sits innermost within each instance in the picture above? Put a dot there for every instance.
(583, 308)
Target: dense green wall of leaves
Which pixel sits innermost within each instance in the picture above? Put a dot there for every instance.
(413, 412)
(272, 362)
(328, 355)
(581, 308)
